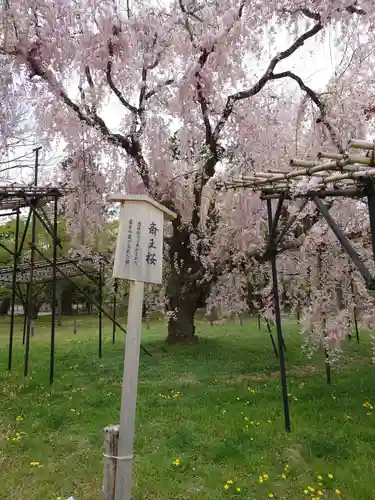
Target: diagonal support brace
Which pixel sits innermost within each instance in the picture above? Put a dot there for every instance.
(347, 246)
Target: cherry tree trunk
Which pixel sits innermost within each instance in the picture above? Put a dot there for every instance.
(181, 327)
(184, 292)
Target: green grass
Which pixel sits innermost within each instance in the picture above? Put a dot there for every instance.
(205, 426)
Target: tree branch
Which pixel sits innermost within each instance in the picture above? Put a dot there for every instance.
(158, 87)
(89, 79)
(215, 150)
(317, 101)
(187, 23)
(202, 99)
(353, 9)
(255, 89)
(112, 85)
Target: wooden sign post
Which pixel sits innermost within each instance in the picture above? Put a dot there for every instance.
(138, 258)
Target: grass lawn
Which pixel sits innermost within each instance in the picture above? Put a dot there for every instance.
(215, 406)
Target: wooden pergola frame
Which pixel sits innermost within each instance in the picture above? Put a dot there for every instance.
(341, 175)
(330, 175)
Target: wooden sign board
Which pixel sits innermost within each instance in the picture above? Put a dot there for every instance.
(139, 249)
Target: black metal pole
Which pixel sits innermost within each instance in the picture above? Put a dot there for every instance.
(25, 316)
(326, 355)
(115, 291)
(100, 309)
(31, 275)
(324, 323)
(271, 337)
(54, 285)
(356, 324)
(354, 312)
(284, 388)
(14, 284)
(25, 229)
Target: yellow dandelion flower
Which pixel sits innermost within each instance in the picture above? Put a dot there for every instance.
(229, 481)
(238, 489)
(19, 418)
(265, 477)
(310, 488)
(337, 491)
(34, 463)
(261, 479)
(270, 495)
(226, 486)
(283, 476)
(330, 476)
(320, 493)
(320, 478)
(177, 462)
(305, 491)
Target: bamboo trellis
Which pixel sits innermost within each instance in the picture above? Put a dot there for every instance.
(330, 171)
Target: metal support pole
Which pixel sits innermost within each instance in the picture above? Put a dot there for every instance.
(326, 354)
(25, 317)
(54, 285)
(271, 337)
(100, 309)
(31, 275)
(354, 313)
(115, 291)
(284, 389)
(14, 283)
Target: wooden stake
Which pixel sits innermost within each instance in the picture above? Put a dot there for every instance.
(110, 462)
(129, 392)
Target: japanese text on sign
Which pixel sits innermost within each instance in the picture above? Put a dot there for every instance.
(138, 244)
(129, 242)
(151, 256)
